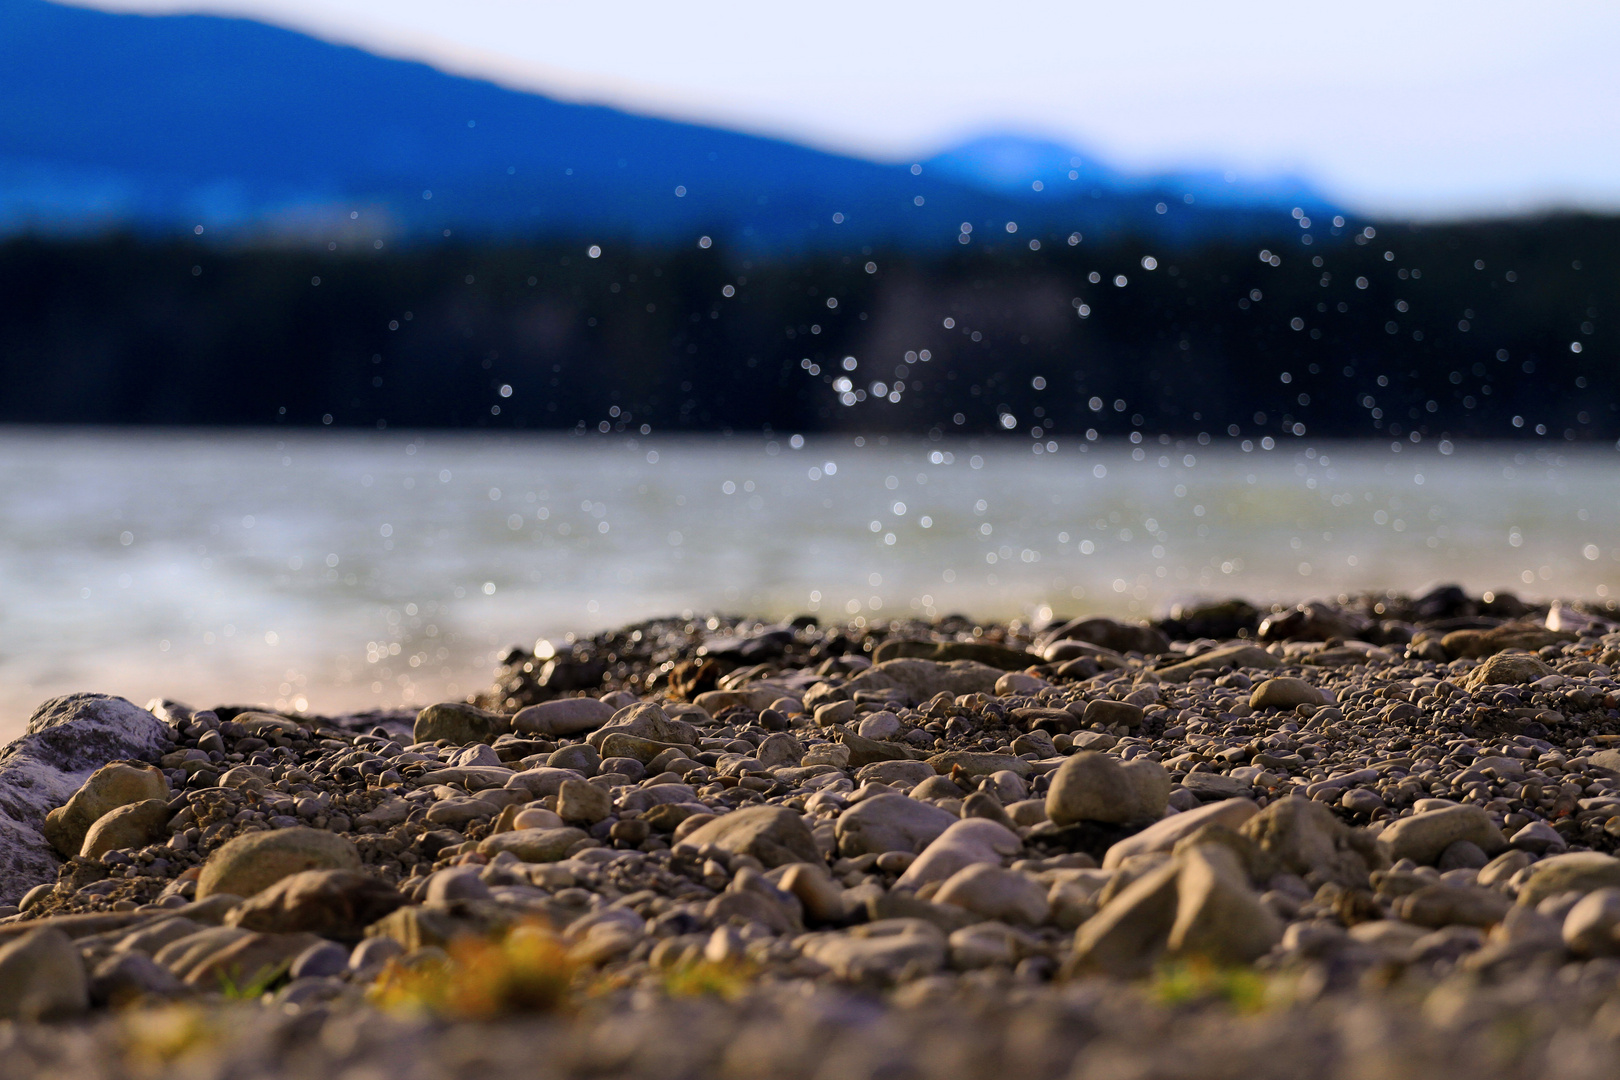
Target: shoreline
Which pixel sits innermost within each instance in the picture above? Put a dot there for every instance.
(1262, 834)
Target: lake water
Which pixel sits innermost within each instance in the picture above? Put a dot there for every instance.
(334, 570)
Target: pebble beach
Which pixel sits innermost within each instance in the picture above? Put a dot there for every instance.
(1357, 836)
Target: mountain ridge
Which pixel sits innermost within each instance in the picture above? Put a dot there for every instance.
(163, 123)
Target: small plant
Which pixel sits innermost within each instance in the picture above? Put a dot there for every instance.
(254, 988)
(706, 978)
(527, 971)
(1183, 982)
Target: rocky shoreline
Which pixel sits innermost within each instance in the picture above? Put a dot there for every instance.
(1372, 835)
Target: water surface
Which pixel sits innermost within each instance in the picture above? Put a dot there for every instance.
(330, 570)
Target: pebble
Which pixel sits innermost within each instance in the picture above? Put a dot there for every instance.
(255, 861)
(108, 788)
(889, 822)
(1093, 786)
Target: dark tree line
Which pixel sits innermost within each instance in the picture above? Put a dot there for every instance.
(1495, 329)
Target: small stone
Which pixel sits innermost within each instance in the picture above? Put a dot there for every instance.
(132, 826)
(1017, 682)
(151, 939)
(772, 834)
(1589, 928)
(1538, 838)
(563, 717)
(880, 953)
(864, 751)
(1229, 656)
(970, 764)
(533, 845)
(1164, 835)
(822, 899)
(248, 960)
(1128, 934)
(458, 723)
(632, 831)
(986, 944)
(881, 726)
(580, 758)
(1462, 855)
(1219, 917)
(581, 802)
(1423, 836)
(477, 756)
(1112, 714)
(968, 841)
(125, 978)
(42, 977)
(995, 893)
(1360, 800)
(1099, 787)
(372, 953)
(183, 954)
(1284, 694)
(1447, 905)
(1304, 838)
(779, 749)
(333, 903)
(644, 721)
(107, 789)
(1507, 669)
(320, 961)
(1210, 786)
(890, 823)
(621, 744)
(903, 774)
(1503, 867)
(1577, 872)
(255, 861)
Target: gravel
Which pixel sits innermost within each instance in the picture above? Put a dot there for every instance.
(1357, 836)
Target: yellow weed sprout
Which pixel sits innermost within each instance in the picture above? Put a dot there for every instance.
(709, 978)
(526, 971)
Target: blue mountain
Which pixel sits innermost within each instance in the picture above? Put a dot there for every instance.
(165, 123)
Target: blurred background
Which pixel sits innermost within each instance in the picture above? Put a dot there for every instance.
(345, 344)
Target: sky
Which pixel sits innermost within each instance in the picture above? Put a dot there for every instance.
(1423, 108)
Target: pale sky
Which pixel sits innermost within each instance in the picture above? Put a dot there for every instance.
(1432, 109)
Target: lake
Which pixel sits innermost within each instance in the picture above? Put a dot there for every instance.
(331, 570)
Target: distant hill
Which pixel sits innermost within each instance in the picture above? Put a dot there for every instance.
(164, 123)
